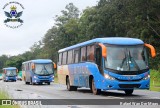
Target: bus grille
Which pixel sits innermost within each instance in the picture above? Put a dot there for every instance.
(129, 85)
(44, 80)
(128, 80)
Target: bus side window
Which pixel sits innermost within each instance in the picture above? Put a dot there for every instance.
(64, 59)
(70, 57)
(83, 54)
(90, 53)
(76, 55)
(60, 59)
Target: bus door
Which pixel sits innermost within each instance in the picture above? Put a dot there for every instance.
(98, 58)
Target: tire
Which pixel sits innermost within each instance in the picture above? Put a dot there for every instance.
(48, 83)
(26, 81)
(129, 92)
(32, 83)
(70, 88)
(94, 90)
(40, 83)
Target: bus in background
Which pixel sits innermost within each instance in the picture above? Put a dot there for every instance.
(38, 71)
(10, 74)
(114, 63)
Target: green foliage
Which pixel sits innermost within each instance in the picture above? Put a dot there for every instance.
(155, 75)
(155, 80)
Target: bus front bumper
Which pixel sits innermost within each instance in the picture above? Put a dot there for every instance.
(121, 85)
(40, 80)
(10, 78)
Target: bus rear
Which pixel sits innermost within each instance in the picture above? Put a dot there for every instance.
(10, 74)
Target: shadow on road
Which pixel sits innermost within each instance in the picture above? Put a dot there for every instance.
(110, 93)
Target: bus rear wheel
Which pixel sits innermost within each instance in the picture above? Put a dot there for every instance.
(32, 83)
(26, 81)
(69, 87)
(128, 92)
(94, 90)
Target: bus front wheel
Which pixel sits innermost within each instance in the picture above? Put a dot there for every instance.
(69, 87)
(94, 90)
(128, 92)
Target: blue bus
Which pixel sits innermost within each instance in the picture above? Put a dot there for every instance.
(10, 74)
(38, 71)
(114, 63)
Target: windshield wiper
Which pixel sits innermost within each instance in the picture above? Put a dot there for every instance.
(46, 70)
(123, 61)
(131, 58)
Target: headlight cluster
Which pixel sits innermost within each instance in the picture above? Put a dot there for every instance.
(146, 77)
(108, 77)
(35, 77)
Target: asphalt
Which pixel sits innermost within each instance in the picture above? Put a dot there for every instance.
(19, 90)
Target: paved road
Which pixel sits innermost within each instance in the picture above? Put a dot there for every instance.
(18, 90)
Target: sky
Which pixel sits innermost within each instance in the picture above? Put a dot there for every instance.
(38, 17)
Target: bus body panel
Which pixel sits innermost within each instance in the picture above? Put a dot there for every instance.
(79, 76)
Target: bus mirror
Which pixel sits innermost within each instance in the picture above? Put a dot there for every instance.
(152, 49)
(33, 66)
(104, 50)
(54, 65)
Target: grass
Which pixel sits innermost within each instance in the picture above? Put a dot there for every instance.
(4, 95)
(155, 86)
(55, 77)
(155, 80)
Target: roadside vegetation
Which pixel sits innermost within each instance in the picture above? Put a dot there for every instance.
(55, 77)
(4, 95)
(155, 80)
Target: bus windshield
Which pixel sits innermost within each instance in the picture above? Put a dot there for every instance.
(126, 58)
(11, 72)
(44, 69)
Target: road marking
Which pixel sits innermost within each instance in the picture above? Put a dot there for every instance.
(115, 97)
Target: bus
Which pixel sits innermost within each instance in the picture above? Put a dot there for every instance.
(10, 74)
(113, 63)
(38, 71)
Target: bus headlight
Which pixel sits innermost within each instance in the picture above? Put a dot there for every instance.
(146, 77)
(35, 77)
(108, 77)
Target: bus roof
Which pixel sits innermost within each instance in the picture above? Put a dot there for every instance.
(10, 68)
(108, 40)
(39, 61)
